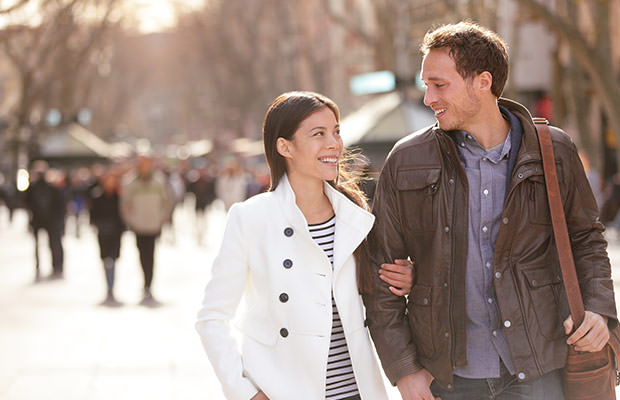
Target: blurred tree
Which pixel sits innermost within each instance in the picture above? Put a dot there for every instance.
(12, 6)
(51, 58)
(238, 55)
(587, 29)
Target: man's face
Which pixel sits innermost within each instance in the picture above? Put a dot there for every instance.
(453, 99)
(145, 166)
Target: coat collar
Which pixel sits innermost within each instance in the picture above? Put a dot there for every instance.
(352, 222)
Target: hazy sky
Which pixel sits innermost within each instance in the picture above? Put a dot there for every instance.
(154, 15)
(148, 15)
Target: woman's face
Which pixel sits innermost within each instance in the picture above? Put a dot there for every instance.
(315, 148)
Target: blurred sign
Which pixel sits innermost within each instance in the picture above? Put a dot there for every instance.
(84, 116)
(53, 117)
(374, 82)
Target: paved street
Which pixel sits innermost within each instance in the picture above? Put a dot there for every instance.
(57, 342)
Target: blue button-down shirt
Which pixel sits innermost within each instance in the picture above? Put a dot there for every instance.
(486, 171)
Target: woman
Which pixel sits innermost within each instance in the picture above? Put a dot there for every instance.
(291, 254)
(105, 215)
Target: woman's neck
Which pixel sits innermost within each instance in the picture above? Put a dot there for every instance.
(311, 199)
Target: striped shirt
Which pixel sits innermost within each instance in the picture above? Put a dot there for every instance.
(340, 383)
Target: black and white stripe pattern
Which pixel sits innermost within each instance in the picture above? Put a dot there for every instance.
(340, 384)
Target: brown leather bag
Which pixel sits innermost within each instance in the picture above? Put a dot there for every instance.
(586, 375)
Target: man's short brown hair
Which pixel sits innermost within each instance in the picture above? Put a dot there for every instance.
(474, 50)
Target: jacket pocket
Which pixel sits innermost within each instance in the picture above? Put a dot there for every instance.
(420, 320)
(544, 287)
(537, 203)
(417, 191)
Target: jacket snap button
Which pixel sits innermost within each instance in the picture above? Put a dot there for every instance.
(520, 176)
(288, 232)
(534, 282)
(283, 297)
(284, 332)
(447, 229)
(287, 263)
(507, 324)
(425, 301)
(505, 220)
(521, 375)
(498, 275)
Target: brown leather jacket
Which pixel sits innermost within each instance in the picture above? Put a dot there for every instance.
(421, 205)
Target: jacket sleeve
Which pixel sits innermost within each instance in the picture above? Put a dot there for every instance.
(587, 242)
(386, 313)
(221, 299)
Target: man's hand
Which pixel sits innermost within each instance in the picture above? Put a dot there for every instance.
(591, 336)
(416, 386)
(260, 396)
(399, 275)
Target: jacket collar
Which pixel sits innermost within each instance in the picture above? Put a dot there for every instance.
(352, 222)
(528, 148)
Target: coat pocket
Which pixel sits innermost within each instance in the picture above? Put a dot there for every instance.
(544, 286)
(420, 319)
(260, 330)
(417, 192)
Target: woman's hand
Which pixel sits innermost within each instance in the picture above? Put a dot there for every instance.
(260, 396)
(398, 275)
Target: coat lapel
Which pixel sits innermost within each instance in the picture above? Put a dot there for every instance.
(352, 222)
(352, 225)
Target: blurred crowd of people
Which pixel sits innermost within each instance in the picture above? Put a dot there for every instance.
(140, 196)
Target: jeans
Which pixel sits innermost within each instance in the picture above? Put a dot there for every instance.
(506, 387)
(146, 247)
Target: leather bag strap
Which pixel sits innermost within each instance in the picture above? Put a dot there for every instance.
(558, 219)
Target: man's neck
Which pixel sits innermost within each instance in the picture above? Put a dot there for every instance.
(491, 129)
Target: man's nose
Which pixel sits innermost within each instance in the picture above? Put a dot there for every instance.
(429, 97)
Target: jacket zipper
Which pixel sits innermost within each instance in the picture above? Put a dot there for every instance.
(514, 278)
(453, 245)
(451, 313)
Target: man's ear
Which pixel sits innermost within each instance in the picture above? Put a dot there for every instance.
(485, 81)
(283, 147)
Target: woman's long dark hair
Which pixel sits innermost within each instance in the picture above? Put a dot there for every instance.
(284, 116)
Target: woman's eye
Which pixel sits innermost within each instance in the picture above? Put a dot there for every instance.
(320, 133)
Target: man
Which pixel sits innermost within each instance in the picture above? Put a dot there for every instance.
(47, 208)
(466, 201)
(146, 204)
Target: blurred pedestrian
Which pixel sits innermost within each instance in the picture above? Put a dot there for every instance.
(146, 205)
(47, 207)
(176, 186)
(105, 215)
(231, 184)
(202, 185)
(291, 254)
(8, 195)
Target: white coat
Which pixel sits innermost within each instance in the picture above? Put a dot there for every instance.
(267, 251)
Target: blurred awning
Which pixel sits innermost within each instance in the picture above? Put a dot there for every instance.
(73, 142)
(248, 148)
(379, 124)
